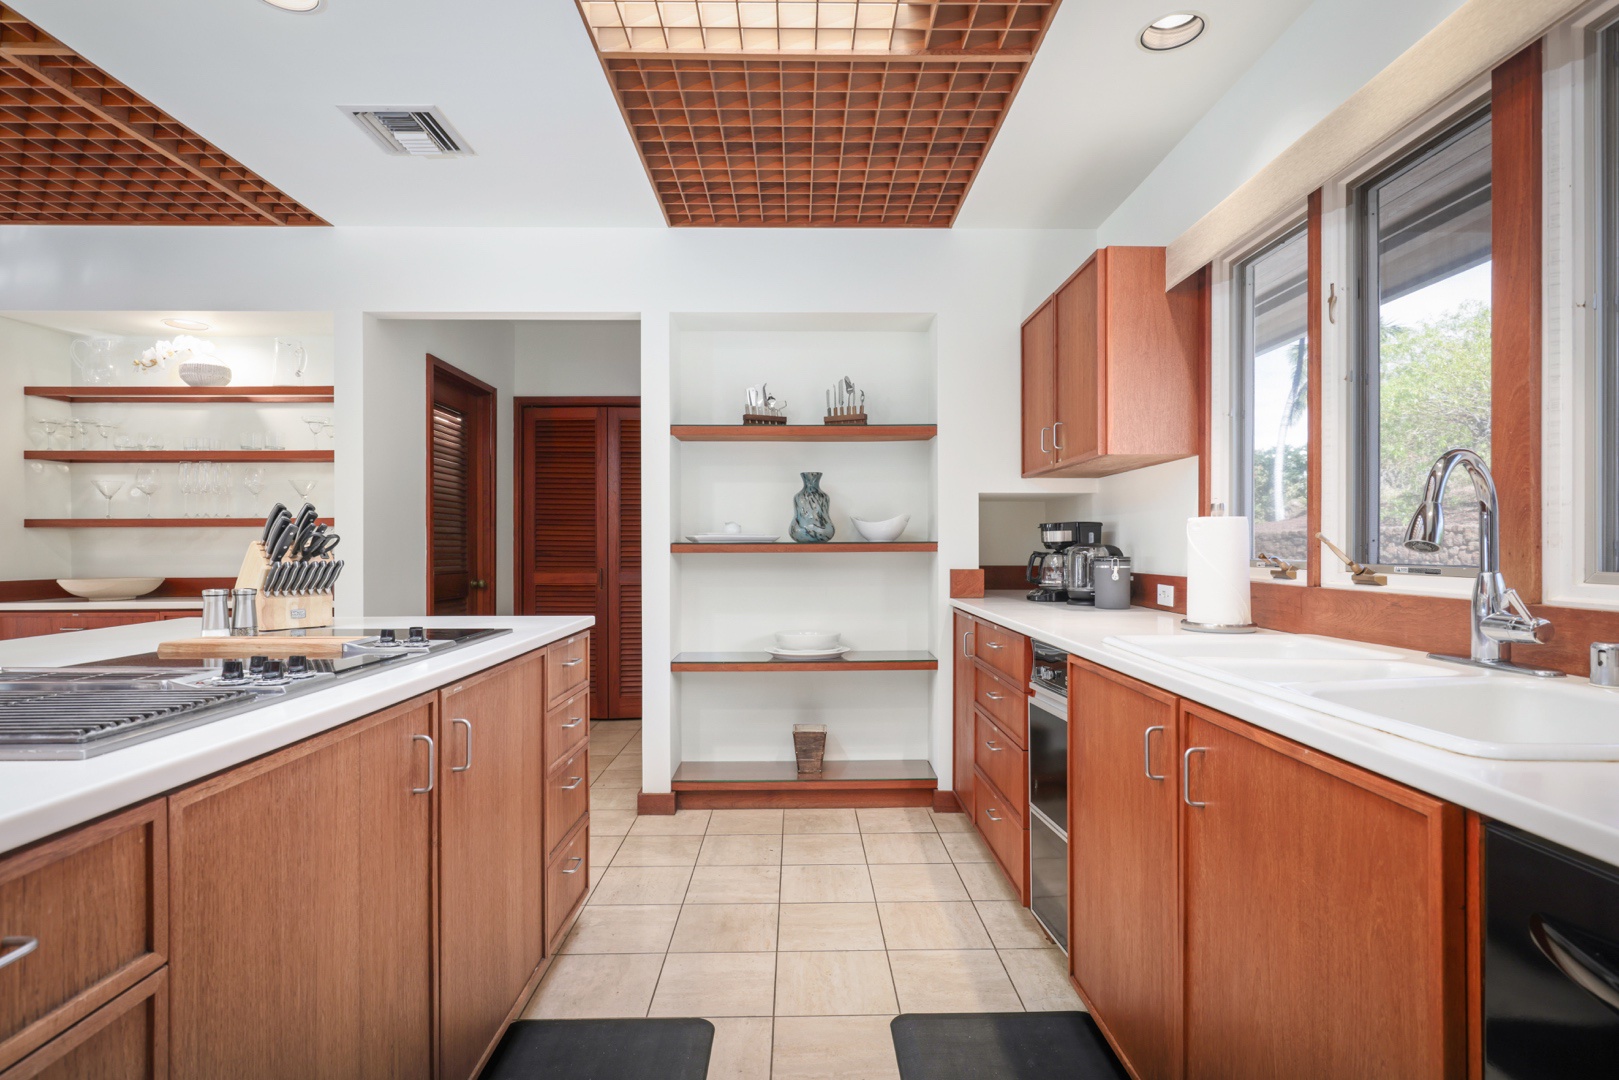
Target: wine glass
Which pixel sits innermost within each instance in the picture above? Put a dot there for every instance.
(50, 428)
(317, 424)
(146, 483)
(79, 436)
(188, 473)
(105, 428)
(253, 481)
(109, 486)
(303, 487)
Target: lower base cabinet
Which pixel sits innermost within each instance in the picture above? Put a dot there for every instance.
(127, 1039)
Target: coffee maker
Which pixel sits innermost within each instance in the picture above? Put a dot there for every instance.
(1048, 569)
(1079, 578)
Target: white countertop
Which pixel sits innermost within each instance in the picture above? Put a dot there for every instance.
(141, 603)
(38, 798)
(1572, 803)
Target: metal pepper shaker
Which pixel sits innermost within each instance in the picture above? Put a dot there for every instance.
(244, 613)
(216, 613)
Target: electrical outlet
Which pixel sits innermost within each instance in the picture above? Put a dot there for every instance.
(1166, 596)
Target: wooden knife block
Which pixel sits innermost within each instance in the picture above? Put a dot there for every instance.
(281, 612)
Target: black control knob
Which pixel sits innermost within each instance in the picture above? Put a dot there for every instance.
(297, 665)
(255, 664)
(232, 671)
(273, 671)
(386, 637)
(418, 636)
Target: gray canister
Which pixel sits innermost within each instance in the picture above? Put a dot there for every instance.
(1111, 573)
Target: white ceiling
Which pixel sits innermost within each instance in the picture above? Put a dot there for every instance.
(150, 323)
(521, 83)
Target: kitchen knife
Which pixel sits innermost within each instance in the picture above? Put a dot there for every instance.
(281, 543)
(269, 579)
(270, 519)
(282, 524)
(306, 516)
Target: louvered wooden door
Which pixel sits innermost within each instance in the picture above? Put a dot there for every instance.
(580, 508)
(460, 483)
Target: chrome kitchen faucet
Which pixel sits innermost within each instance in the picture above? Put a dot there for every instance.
(1500, 617)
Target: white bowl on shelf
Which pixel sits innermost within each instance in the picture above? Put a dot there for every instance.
(109, 588)
(882, 532)
(807, 640)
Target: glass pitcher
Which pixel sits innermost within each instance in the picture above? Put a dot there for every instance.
(291, 360)
(93, 357)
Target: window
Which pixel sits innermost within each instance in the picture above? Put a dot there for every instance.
(1608, 460)
(1271, 396)
(1422, 367)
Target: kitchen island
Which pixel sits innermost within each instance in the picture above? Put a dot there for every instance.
(361, 880)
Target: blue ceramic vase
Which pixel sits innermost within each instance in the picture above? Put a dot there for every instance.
(812, 518)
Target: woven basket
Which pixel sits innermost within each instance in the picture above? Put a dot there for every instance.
(809, 743)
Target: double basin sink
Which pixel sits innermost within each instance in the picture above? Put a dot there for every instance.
(1453, 707)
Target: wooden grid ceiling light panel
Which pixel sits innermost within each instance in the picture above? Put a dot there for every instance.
(77, 147)
(815, 113)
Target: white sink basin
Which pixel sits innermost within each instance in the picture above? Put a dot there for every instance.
(1497, 716)
(1252, 647)
(1317, 671)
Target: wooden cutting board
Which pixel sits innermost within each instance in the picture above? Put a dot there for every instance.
(276, 647)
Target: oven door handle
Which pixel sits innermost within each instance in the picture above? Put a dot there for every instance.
(1577, 955)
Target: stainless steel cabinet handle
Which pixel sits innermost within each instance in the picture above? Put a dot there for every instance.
(1055, 445)
(468, 725)
(572, 723)
(20, 947)
(1186, 775)
(993, 696)
(993, 645)
(991, 744)
(432, 764)
(575, 662)
(577, 780)
(1146, 752)
(574, 862)
(964, 650)
(991, 814)
(1044, 449)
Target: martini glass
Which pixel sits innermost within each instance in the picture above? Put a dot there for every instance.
(317, 424)
(253, 481)
(108, 488)
(146, 483)
(303, 488)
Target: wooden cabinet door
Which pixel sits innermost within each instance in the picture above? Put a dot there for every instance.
(1079, 433)
(620, 678)
(126, 1039)
(1124, 906)
(962, 777)
(301, 893)
(1324, 917)
(491, 859)
(1039, 388)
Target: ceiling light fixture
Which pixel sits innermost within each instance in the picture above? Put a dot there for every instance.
(302, 7)
(1172, 31)
(186, 324)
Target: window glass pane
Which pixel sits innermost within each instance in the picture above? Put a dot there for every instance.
(1275, 414)
(1608, 456)
(1429, 224)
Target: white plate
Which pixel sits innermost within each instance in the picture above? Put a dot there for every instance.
(733, 538)
(810, 654)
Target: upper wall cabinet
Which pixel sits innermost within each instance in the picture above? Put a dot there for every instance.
(1110, 369)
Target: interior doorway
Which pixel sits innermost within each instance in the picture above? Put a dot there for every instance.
(460, 492)
(578, 480)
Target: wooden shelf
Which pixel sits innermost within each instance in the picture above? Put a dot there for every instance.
(804, 549)
(160, 456)
(804, 432)
(308, 395)
(780, 775)
(762, 661)
(149, 523)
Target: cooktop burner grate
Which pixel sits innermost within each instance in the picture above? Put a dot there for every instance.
(73, 717)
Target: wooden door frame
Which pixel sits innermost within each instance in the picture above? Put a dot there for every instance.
(521, 481)
(481, 481)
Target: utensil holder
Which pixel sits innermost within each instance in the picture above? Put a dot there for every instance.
(763, 418)
(293, 612)
(845, 418)
(809, 745)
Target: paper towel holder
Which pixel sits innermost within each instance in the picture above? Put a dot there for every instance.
(1218, 628)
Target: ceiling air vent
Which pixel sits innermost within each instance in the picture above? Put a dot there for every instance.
(417, 132)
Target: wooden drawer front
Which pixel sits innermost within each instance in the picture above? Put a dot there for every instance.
(126, 1040)
(96, 901)
(1007, 767)
(566, 726)
(1004, 650)
(567, 877)
(567, 797)
(1007, 705)
(1007, 838)
(567, 667)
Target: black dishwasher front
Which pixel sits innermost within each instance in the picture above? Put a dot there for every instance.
(1551, 961)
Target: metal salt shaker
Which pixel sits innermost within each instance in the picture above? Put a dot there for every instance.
(216, 613)
(244, 615)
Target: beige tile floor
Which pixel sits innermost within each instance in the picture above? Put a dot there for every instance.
(799, 933)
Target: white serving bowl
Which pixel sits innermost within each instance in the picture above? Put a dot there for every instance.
(110, 588)
(882, 532)
(199, 373)
(807, 639)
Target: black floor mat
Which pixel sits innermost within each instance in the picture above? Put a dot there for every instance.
(1005, 1046)
(602, 1050)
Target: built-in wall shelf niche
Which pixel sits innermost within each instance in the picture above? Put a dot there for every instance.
(733, 662)
(151, 457)
(150, 523)
(856, 433)
(176, 395)
(898, 547)
(775, 775)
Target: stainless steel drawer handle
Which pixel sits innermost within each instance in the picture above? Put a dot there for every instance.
(964, 650)
(573, 723)
(992, 815)
(468, 760)
(575, 662)
(993, 645)
(575, 863)
(993, 696)
(19, 946)
(1186, 775)
(432, 764)
(1146, 752)
(577, 780)
(991, 744)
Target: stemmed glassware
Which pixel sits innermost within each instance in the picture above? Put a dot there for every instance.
(50, 427)
(188, 486)
(109, 486)
(146, 483)
(253, 481)
(105, 428)
(317, 424)
(303, 487)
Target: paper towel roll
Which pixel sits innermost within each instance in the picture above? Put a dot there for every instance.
(1217, 571)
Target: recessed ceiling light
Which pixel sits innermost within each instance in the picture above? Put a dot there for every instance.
(1172, 31)
(301, 6)
(186, 324)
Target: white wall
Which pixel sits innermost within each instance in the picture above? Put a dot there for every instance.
(578, 358)
(31, 356)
